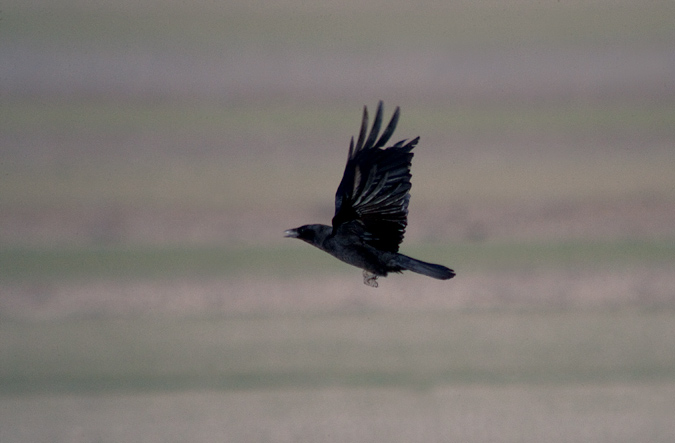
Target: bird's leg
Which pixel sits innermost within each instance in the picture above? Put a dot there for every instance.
(369, 279)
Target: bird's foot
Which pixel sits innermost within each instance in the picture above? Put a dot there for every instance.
(369, 279)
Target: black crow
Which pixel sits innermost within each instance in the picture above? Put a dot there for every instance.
(371, 207)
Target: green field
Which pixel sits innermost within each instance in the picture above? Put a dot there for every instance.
(419, 350)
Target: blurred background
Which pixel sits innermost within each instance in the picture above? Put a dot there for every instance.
(153, 152)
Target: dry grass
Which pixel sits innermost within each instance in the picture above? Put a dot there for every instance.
(610, 413)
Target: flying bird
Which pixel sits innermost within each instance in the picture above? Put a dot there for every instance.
(371, 207)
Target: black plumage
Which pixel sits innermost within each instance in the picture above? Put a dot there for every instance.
(371, 207)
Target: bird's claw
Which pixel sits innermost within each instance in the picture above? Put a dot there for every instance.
(369, 279)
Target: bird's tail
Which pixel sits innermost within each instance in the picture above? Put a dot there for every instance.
(429, 269)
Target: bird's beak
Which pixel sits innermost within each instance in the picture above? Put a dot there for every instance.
(291, 233)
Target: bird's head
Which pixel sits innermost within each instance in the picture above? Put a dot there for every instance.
(312, 234)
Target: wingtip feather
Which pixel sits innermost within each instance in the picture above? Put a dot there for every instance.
(375, 130)
(389, 130)
(362, 131)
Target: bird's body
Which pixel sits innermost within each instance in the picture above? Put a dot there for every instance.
(371, 208)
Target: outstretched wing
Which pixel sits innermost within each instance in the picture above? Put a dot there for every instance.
(374, 191)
